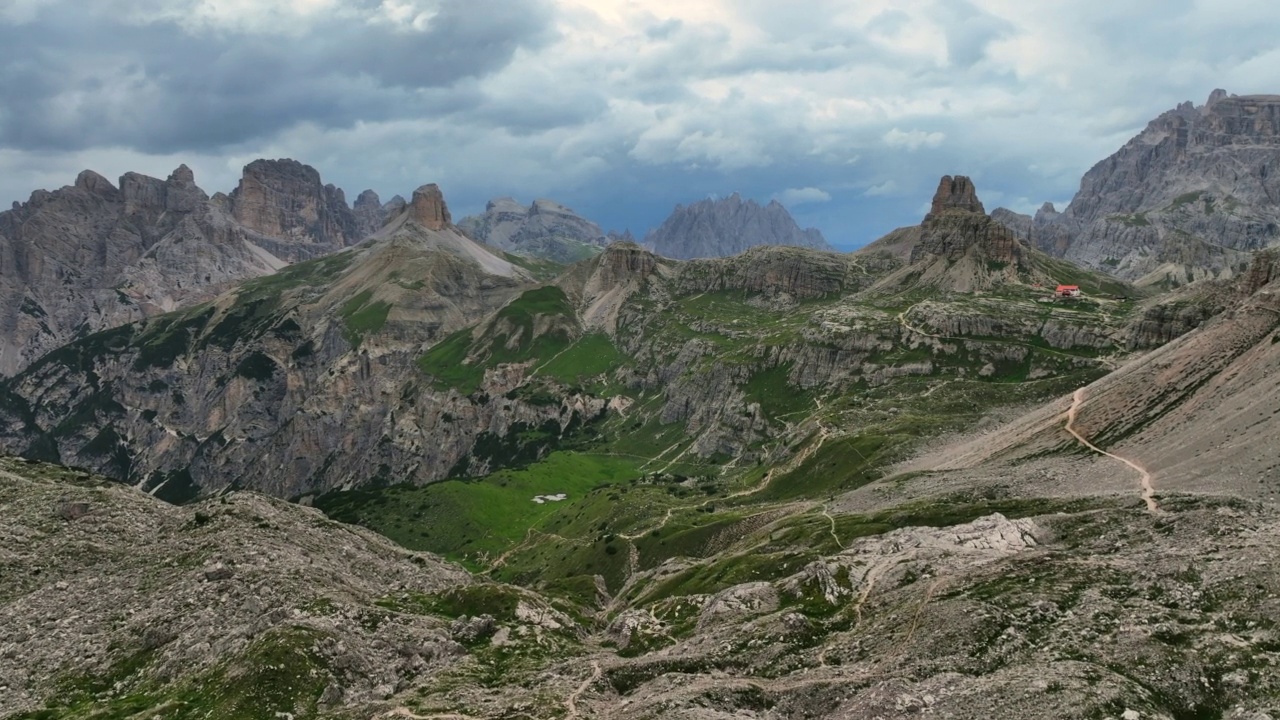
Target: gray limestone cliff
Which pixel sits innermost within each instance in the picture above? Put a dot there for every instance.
(1189, 198)
(96, 254)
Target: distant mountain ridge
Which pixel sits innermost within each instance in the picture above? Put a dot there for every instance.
(545, 229)
(728, 226)
(1190, 197)
(94, 254)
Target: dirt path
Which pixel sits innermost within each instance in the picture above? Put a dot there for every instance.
(571, 702)
(502, 559)
(834, 536)
(1148, 490)
(633, 559)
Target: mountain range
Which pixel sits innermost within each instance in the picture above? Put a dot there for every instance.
(392, 471)
(95, 255)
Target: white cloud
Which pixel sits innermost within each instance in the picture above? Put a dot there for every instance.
(913, 140)
(624, 102)
(792, 197)
(888, 187)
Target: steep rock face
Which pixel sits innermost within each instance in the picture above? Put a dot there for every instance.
(1186, 199)
(545, 229)
(955, 193)
(286, 199)
(603, 284)
(1056, 333)
(94, 255)
(369, 213)
(428, 208)
(958, 247)
(1262, 271)
(90, 256)
(719, 228)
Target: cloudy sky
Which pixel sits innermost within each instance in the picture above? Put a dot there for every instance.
(847, 111)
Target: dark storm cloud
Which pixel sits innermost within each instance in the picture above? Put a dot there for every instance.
(72, 79)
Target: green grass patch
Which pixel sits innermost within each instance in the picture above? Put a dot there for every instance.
(542, 270)
(590, 356)
(447, 364)
(775, 395)
(726, 572)
(460, 360)
(1135, 220)
(362, 317)
(1186, 199)
(471, 520)
(480, 598)
(838, 466)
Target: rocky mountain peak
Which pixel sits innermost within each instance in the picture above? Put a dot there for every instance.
(182, 176)
(369, 213)
(284, 198)
(957, 222)
(150, 196)
(956, 193)
(91, 181)
(428, 208)
(543, 205)
(394, 206)
(504, 204)
(729, 226)
(1215, 96)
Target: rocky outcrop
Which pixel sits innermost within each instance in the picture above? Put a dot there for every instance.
(719, 228)
(428, 208)
(1264, 269)
(369, 213)
(955, 193)
(247, 574)
(1177, 313)
(950, 322)
(544, 229)
(624, 262)
(1166, 321)
(1186, 199)
(957, 222)
(285, 199)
